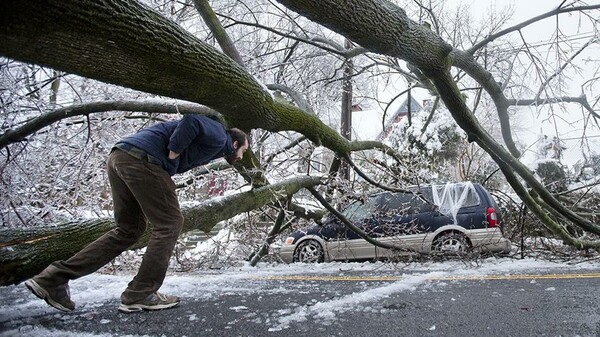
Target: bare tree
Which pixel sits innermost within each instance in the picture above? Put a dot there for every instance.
(127, 44)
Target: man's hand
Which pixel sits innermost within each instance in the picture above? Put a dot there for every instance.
(173, 155)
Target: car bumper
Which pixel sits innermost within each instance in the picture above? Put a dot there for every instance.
(489, 241)
(502, 246)
(286, 253)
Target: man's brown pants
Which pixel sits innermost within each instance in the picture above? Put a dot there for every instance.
(142, 192)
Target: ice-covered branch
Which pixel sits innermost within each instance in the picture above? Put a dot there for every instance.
(168, 107)
(325, 44)
(565, 99)
(560, 70)
(349, 224)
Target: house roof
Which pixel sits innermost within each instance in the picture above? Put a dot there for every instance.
(403, 109)
(367, 124)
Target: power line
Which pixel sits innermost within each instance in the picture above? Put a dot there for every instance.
(572, 38)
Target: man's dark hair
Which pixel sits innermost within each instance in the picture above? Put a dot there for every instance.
(238, 135)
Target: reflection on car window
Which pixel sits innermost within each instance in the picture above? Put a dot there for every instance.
(396, 203)
(358, 211)
(385, 204)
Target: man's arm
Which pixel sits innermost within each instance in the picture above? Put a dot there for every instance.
(189, 127)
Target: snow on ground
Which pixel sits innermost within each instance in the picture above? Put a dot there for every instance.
(98, 289)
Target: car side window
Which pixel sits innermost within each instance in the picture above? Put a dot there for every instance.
(389, 204)
(422, 206)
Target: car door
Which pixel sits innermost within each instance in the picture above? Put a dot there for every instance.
(398, 224)
(348, 245)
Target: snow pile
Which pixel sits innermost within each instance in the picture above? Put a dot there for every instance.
(326, 311)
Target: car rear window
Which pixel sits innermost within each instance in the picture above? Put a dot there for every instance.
(452, 197)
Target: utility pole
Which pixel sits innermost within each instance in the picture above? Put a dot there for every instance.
(346, 117)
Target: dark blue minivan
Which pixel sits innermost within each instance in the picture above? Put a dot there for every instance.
(449, 218)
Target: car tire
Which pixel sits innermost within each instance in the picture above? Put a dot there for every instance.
(451, 243)
(309, 251)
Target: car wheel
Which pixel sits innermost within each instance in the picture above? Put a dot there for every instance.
(451, 242)
(309, 251)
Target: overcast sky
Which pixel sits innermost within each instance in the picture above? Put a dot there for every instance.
(535, 120)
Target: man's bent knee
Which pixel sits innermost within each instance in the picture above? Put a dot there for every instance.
(129, 236)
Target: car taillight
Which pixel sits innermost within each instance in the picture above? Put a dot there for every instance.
(492, 217)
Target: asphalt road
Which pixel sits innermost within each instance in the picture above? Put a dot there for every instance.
(352, 304)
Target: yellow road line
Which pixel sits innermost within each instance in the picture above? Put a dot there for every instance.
(441, 278)
(516, 277)
(328, 278)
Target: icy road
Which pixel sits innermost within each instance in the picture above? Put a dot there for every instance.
(495, 297)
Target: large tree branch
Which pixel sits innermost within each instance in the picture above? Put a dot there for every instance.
(25, 252)
(466, 62)
(126, 43)
(361, 21)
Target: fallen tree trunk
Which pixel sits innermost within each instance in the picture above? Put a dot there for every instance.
(25, 252)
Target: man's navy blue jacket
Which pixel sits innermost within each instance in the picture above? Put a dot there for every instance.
(198, 140)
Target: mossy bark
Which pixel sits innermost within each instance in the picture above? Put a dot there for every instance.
(128, 44)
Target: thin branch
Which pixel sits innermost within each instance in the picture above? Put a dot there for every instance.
(371, 181)
(349, 224)
(215, 26)
(19, 134)
(566, 99)
(292, 144)
(526, 23)
(316, 42)
(559, 71)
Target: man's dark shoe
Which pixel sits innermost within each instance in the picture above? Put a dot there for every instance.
(58, 297)
(156, 301)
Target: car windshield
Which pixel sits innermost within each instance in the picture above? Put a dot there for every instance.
(379, 204)
(359, 210)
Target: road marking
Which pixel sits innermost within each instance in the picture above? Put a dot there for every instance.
(442, 278)
(327, 278)
(515, 277)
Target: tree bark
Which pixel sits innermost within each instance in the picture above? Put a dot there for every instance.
(128, 44)
(26, 252)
